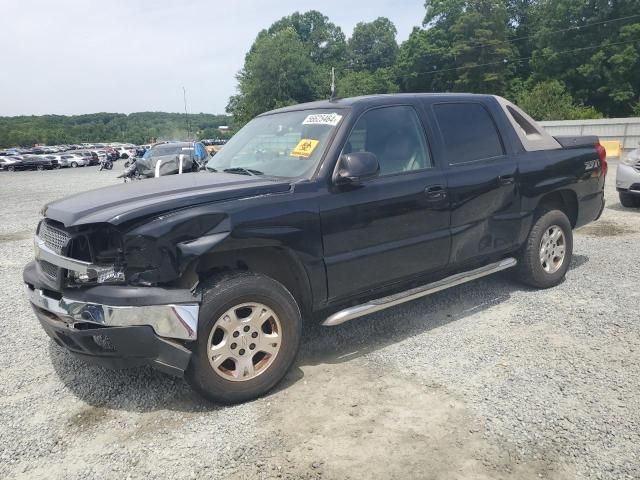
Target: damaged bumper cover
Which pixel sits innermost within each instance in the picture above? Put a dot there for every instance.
(118, 326)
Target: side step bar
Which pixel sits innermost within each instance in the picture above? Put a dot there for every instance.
(422, 291)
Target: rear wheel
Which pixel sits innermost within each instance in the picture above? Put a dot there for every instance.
(11, 168)
(40, 167)
(546, 255)
(248, 335)
(628, 200)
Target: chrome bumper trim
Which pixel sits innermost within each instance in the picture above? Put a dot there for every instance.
(392, 300)
(42, 252)
(179, 321)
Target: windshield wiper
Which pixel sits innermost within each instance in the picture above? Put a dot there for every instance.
(243, 171)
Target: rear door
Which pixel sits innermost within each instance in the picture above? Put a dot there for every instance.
(482, 179)
(396, 225)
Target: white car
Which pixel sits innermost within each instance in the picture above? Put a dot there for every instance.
(628, 179)
(73, 160)
(125, 152)
(102, 155)
(10, 163)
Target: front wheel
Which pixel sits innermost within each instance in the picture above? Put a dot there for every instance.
(628, 200)
(248, 335)
(74, 164)
(546, 255)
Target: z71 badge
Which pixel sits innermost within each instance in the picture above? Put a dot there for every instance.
(592, 164)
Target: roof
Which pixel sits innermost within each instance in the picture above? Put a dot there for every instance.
(371, 100)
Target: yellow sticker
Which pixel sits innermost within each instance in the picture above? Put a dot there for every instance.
(305, 148)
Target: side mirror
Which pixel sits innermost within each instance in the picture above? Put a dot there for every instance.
(356, 167)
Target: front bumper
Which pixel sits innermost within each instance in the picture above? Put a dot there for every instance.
(116, 347)
(626, 178)
(118, 326)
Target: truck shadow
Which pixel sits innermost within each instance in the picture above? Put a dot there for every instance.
(144, 389)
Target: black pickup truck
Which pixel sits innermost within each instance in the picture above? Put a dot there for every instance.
(330, 210)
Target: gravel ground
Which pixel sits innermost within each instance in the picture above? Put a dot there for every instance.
(486, 380)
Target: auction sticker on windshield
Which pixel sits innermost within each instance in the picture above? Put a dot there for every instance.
(322, 119)
(304, 148)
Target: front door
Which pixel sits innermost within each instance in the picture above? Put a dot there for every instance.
(396, 225)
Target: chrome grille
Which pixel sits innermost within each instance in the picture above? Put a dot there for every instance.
(49, 269)
(53, 238)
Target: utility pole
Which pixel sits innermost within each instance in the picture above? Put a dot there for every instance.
(186, 114)
(333, 83)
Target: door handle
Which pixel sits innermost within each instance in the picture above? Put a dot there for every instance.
(506, 179)
(435, 193)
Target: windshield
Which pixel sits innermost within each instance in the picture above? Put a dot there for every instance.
(288, 144)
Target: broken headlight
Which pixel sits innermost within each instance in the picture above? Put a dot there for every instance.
(101, 247)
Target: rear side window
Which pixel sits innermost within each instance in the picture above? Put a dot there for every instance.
(468, 132)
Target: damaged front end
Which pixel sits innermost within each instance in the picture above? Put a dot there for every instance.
(161, 250)
(112, 294)
(70, 258)
(156, 252)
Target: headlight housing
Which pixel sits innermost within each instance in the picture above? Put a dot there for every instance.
(101, 249)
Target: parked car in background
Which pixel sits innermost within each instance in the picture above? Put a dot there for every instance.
(10, 164)
(74, 160)
(11, 152)
(125, 152)
(628, 179)
(56, 159)
(169, 158)
(101, 154)
(39, 162)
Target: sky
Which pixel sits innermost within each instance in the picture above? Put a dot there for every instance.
(84, 56)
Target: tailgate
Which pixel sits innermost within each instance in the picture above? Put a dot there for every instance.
(577, 141)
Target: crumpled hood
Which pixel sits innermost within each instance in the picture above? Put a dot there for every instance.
(121, 203)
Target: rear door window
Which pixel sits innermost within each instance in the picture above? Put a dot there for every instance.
(468, 131)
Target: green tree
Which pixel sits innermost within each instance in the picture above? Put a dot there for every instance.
(373, 45)
(103, 127)
(550, 101)
(598, 59)
(278, 71)
(324, 41)
(367, 83)
(465, 47)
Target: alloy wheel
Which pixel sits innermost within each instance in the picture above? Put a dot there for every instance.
(552, 249)
(244, 341)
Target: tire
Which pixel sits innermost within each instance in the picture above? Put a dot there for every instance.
(40, 167)
(74, 164)
(243, 293)
(539, 265)
(11, 169)
(628, 200)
